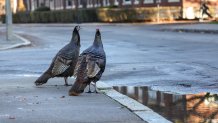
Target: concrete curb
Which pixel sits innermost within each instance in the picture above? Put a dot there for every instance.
(24, 43)
(137, 108)
(192, 31)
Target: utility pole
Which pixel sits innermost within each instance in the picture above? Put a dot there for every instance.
(8, 20)
(158, 10)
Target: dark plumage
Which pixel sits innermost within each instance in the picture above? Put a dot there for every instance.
(64, 62)
(90, 66)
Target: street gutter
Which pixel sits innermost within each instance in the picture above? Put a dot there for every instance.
(145, 113)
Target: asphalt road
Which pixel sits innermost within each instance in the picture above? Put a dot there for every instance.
(136, 55)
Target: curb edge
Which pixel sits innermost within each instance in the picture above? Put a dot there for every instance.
(25, 43)
(143, 112)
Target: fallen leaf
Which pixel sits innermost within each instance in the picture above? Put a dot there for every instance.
(11, 117)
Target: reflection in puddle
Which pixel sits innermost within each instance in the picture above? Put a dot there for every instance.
(191, 108)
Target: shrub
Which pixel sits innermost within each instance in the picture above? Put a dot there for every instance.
(2, 18)
(43, 8)
(97, 15)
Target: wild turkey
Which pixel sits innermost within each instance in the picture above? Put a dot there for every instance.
(64, 62)
(90, 66)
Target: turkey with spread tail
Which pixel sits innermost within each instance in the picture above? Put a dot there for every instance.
(90, 66)
(63, 64)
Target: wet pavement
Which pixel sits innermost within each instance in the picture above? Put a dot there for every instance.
(189, 108)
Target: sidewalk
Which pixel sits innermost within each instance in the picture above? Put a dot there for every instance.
(194, 28)
(22, 102)
(17, 41)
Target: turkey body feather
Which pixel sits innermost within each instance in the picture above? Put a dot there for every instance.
(64, 62)
(90, 66)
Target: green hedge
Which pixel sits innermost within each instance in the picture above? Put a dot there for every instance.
(97, 15)
(42, 8)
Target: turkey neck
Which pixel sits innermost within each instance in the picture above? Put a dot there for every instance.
(75, 39)
(97, 42)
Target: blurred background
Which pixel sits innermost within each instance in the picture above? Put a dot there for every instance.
(67, 11)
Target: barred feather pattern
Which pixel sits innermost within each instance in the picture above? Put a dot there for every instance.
(77, 66)
(60, 65)
(92, 67)
(65, 60)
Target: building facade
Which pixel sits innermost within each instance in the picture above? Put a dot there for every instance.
(190, 9)
(71, 4)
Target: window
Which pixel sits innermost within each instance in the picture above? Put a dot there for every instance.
(173, 1)
(107, 2)
(116, 2)
(127, 1)
(148, 1)
(89, 3)
(136, 2)
(80, 4)
(97, 4)
(69, 3)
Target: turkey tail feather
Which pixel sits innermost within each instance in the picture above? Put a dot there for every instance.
(42, 79)
(92, 68)
(77, 88)
(81, 78)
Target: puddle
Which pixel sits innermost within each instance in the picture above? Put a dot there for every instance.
(190, 108)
